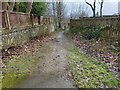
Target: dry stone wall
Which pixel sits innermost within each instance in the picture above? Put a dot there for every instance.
(18, 36)
(112, 34)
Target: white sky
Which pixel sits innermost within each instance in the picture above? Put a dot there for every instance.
(110, 7)
(89, 0)
(79, 0)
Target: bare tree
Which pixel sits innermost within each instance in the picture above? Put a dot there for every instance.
(101, 6)
(9, 6)
(49, 9)
(72, 11)
(93, 7)
(29, 6)
(54, 14)
(59, 13)
(5, 6)
(17, 6)
(83, 10)
(78, 10)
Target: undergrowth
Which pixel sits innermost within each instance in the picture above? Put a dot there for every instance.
(88, 73)
(90, 32)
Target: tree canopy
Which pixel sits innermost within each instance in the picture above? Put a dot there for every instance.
(38, 8)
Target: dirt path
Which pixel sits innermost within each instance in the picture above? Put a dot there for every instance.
(52, 71)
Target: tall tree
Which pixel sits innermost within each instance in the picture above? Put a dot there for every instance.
(29, 6)
(93, 7)
(5, 5)
(17, 6)
(101, 6)
(49, 9)
(57, 11)
(9, 6)
(55, 15)
(80, 11)
(60, 12)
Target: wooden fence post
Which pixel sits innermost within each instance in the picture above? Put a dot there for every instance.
(32, 19)
(1, 20)
(7, 21)
(41, 20)
(38, 20)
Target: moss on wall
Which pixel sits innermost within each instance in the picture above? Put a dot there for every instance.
(19, 36)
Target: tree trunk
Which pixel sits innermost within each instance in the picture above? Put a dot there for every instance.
(101, 7)
(11, 6)
(94, 14)
(92, 7)
(101, 12)
(5, 6)
(54, 14)
(8, 7)
(59, 14)
(17, 6)
(29, 7)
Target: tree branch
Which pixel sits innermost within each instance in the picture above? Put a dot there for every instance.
(89, 4)
(93, 7)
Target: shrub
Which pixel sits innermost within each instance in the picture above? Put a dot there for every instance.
(89, 32)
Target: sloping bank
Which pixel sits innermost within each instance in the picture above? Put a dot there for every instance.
(88, 72)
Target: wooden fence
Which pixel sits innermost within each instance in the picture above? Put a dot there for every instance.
(111, 34)
(0, 18)
(12, 20)
(18, 28)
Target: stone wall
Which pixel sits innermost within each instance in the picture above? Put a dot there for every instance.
(114, 21)
(19, 36)
(17, 28)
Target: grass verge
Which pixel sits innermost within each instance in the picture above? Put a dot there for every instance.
(89, 73)
(20, 67)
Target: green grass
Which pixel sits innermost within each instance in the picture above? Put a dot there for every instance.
(87, 73)
(0, 80)
(20, 67)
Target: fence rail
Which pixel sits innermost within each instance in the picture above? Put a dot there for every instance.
(12, 20)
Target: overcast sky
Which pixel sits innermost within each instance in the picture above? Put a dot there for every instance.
(110, 6)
